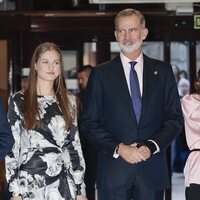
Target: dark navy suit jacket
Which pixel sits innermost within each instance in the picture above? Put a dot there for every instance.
(6, 138)
(108, 119)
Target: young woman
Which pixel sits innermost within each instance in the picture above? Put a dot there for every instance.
(46, 162)
(191, 111)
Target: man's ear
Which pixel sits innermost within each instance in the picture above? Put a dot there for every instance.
(145, 32)
(115, 33)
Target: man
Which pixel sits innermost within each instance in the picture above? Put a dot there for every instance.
(89, 152)
(6, 138)
(83, 75)
(132, 125)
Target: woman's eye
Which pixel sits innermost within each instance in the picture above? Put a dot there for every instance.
(57, 63)
(45, 62)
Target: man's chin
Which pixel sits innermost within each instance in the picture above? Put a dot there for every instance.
(128, 50)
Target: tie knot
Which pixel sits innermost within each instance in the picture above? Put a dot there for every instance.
(132, 63)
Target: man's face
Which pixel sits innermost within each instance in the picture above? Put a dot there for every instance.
(83, 79)
(129, 33)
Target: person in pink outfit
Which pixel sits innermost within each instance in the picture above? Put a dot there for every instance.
(191, 112)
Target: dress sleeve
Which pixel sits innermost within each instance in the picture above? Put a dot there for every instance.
(76, 155)
(12, 159)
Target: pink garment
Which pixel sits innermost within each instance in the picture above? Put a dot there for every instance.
(191, 112)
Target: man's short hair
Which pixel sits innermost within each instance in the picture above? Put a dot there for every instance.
(130, 12)
(86, 68)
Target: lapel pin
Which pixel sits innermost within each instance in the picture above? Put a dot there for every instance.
(156, 72)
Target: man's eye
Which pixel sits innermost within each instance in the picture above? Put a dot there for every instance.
(133, 30)
(121, 31)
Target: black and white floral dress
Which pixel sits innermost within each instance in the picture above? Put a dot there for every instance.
(45, 163)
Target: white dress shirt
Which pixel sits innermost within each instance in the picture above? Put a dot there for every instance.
(139, 66)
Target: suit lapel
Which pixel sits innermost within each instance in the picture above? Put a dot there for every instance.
(150, 76)
(120, 84)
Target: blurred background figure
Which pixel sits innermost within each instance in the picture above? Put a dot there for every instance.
(183, 87)
(24, 84)
(89, 152)
(83, 75)
(176, 72)
(183, 74)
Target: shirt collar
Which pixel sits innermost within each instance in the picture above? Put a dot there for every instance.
(124, 59)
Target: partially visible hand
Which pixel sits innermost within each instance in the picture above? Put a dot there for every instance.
(131, 154)
(145, 152)
(16, 198)
(81, 197)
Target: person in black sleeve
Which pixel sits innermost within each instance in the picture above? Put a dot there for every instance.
(89, 152)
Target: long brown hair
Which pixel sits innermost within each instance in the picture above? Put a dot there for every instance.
(197, 83)
(31, 109)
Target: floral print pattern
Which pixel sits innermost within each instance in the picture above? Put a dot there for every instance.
(46, 163)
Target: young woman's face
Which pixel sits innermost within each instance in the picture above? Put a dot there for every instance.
(48, 66)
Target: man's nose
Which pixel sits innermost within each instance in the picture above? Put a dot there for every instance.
(127, 34)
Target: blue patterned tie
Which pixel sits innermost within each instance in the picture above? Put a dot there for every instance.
(135, 91)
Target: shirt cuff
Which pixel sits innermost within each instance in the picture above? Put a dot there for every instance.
(157, 147)
(116, 155)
